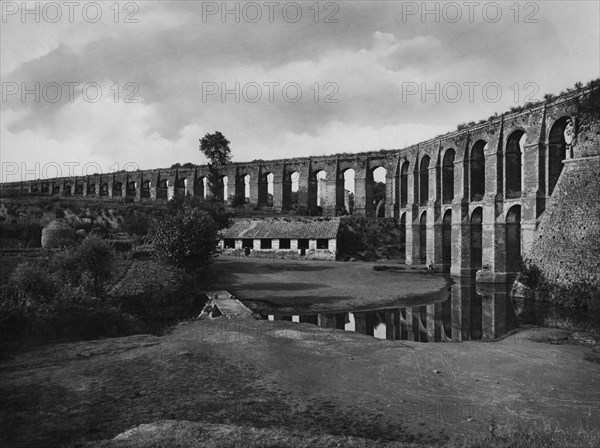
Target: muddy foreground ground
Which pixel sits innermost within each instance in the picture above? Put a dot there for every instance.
(292, 377)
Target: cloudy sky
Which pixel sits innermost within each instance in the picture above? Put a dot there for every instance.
(138, 85)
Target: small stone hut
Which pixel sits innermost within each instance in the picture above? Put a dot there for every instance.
(285, 237)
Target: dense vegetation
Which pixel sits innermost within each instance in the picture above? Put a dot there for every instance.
(581, 294)
(102, 287)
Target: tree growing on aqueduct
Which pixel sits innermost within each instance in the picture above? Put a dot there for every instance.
(216, 149)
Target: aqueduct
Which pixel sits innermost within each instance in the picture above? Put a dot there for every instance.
(468, 199)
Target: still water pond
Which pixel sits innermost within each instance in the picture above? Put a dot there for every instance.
(471, 312)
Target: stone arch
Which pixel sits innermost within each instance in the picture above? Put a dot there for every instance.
(242, 186)
(180, 187)
(557, 150)
(477, 171)
(476, 239)
(56, 189)
(513, 238)
(145, 192)
(513, 164)
(349, 177)
(66, 190)
(200, 187)
(104, 189)
(162, 189)
(291, 186)
(447, 240)
(45, 187)
(448, 176)
(78, 189)
(423, 238)
(404, 184)
(222, 189)
(91, 189)
(402, 242)
(117, 189)
(378, 191)
(424, 180)
(265, 189)
(317, 190)
(131, 189)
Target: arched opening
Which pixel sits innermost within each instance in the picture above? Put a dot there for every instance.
(265, 189)
(404, 184)
(104, 190)
(56, 189)
(402, 241)
(145, 193)
(476, 240)
(423, 238)
(424, 181)
(118, 189)
(180, 187)
(557, 150)
(91, 189)
(67, 190)
(321, 178)
(223, 186)
(513, 238)
(162, 189)
(447, 241)
(448, 177)
(246, 184)
(477, 170)
(45, 188)
(379, 191)
(349, 191)
(200, 187)
(291, 185)
(131, 188)
(512, 164)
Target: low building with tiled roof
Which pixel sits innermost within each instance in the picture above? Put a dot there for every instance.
(286, 237)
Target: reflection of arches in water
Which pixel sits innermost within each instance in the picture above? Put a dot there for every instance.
(476, 314)
(513, 238)
(446, 324)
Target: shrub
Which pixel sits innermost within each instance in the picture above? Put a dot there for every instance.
(187, 239)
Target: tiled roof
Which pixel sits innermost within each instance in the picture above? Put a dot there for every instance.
(277, 228)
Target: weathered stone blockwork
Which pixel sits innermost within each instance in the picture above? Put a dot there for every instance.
(567, 243)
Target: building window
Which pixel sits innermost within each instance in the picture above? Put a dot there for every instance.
(248, 242)
(229, 243)
(265, 243)
(322, 243)
(285, 243)
(303, 244)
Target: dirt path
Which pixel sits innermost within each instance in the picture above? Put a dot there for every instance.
(295, 376)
